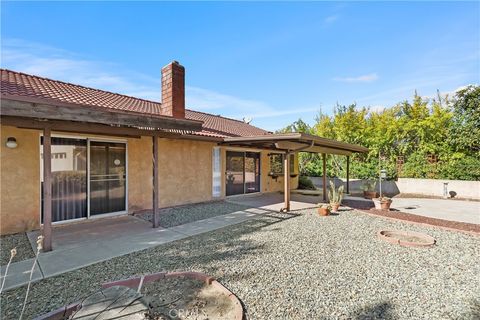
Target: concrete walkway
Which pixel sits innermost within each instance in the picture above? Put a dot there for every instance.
(79, 245)
(275, 201)
(452, 210)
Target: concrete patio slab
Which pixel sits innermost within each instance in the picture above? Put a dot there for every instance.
(452, 210)
(72, 235)
(82, 244)
(274, 201)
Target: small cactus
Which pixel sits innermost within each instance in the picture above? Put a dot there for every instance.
(335, 195)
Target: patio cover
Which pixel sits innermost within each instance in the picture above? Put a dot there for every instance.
(291, 142)
(49, 115)
(294, 142)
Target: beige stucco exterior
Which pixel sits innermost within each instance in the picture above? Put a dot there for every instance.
(185, 171)
(185, 175)
(19, 181)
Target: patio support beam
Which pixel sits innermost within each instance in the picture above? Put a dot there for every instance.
(155, 182)
(324, 160)
(47, 189)
(286, 164)
(348, 174)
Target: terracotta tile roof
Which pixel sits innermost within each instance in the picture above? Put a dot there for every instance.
(25, 86)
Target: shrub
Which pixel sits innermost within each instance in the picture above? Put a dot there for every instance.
(305, 183)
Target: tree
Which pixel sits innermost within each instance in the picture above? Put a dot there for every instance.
(436, 138)
(465, 129)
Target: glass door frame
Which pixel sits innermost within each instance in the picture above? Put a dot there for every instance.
(244, 151)
(88, 140)
(108, 214)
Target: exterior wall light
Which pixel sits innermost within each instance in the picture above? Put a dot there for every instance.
(11, 143)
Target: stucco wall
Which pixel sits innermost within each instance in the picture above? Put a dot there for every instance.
(411, 186)
(185, 175)
(140, 172)
(19, 181)
(432, 187)
(185, 171)
(271, 184)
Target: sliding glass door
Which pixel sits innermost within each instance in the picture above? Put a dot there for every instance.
(107, 177)
(69, 178)
(82, 188)
(242, 172)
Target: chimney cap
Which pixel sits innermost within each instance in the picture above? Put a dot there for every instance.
(174, 62)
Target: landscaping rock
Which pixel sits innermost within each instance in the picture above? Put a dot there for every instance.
(300, 266)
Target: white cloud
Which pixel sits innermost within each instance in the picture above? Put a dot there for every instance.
(210, 100)
(363, 78)
(58, 64)
(62, 65)
(377, 109)
(331, 19)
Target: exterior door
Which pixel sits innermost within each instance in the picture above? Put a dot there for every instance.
(234, 174)
(107, 177)
(242, 172)
(252, 172)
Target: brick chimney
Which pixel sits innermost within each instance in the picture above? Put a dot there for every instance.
(173, 90)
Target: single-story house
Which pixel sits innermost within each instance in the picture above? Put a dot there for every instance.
(112, 154)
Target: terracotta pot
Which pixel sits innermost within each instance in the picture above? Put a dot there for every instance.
(370, 194)
(385, 204)
(323, 211)
(335, 206)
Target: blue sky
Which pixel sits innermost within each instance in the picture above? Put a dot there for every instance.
(273, 62)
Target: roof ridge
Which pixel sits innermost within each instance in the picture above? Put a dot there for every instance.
(78, 85)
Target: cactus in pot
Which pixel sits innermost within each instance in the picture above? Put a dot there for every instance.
(335, 196)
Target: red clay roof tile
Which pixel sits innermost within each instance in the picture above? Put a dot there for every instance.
(29, 86)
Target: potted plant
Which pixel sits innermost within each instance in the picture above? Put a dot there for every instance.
(382, 203)
(335, 196)
(324, 209)
(385, 203)
(369, 189)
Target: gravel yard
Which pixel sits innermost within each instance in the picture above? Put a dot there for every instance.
(175, 216)
(301, 267)
(19, 241)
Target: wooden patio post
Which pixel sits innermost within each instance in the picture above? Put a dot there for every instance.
(47, 189)
(348, 174)
(155, 182)
(324, 160)
(286, 164)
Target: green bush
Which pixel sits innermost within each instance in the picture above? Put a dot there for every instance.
(460, 168)
(305, 183)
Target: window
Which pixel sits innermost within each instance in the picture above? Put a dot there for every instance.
(217, 175)
(276, 164)
(292, 163)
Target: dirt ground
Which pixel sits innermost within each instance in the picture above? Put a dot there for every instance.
(185, 298)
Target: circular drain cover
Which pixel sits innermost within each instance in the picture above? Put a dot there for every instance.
(407, 238)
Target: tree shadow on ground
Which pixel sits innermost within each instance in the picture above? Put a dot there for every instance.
(197, 253)
(380, 311)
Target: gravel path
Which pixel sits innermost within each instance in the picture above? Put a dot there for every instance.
(176, 216)
(301, 267)
(19, 241)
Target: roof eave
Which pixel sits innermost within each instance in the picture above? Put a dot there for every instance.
(297, 137)
(30, 107)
